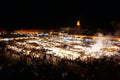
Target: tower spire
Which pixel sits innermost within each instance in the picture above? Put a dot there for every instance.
(78, 23)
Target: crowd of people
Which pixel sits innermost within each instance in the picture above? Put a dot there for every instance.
(37, 65)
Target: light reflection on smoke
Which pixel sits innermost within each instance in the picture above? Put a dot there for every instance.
(98, 45)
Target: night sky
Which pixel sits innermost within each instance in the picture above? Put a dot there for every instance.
(51, 14)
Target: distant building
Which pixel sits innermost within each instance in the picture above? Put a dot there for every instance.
(72, 30)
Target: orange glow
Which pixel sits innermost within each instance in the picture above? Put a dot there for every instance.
(31, 31)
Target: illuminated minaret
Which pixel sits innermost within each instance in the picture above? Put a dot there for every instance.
(78, 23)
(77, 29)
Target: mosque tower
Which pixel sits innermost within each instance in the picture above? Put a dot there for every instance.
(78, 23)
(77, 29)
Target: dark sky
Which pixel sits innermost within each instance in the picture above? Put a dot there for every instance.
(51, 14)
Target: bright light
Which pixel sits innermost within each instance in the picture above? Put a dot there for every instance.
(78, 23)
(6, 39)
(76, 48)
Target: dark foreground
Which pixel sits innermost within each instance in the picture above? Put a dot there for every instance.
(65, 70)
